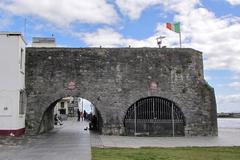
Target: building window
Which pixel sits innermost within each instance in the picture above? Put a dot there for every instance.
(21, 103)
(21, 59)
(62, 104)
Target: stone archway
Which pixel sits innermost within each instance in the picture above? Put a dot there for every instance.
(114, 78)
(39, 116)
(47, 119)
(154, 116)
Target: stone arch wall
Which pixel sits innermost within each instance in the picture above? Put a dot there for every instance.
(47, 120)
(154, 116)
(43, 104)
(114, 78)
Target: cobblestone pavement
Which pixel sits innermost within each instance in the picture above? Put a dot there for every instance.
(67, 142)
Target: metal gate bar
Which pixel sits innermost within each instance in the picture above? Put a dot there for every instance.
(147, 114)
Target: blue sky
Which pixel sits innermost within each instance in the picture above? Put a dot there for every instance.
(211, 26)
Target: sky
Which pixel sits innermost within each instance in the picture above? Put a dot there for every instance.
(210, 26)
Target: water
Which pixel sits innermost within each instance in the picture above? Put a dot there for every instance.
(231, 123)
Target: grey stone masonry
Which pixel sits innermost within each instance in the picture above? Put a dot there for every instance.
(115, 78)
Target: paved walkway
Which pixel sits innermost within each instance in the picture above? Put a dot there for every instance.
(67, 142)
(71, 142)
(228, 136)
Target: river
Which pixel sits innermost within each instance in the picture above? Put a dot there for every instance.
(229, 123)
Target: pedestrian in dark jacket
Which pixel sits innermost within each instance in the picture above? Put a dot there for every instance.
(85, 115)
(78, 114)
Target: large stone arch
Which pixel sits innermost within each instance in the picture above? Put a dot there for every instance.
(155, 116)
(113, 79)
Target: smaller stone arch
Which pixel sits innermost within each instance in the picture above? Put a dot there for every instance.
(47, 118)
(154, 116)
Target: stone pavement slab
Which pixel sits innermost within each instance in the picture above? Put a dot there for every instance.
(67, 142)
(71, 142)
(229, 133)
(135, 142)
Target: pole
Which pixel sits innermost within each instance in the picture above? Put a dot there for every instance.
(135, 119)
(25, 26)
(180, 40)
(173, 128)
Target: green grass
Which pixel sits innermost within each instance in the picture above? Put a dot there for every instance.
(186, 153)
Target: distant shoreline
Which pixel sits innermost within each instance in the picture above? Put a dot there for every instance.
(228, 115)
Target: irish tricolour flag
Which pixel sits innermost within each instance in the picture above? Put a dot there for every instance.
(174, 27)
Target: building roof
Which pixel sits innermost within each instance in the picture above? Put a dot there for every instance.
(10, 33)
(43, 40)
(13, 34)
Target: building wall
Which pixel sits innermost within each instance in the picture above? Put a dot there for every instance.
(58, 106)
(12, 81)
(43, 45)
(43, 42)
(114, 79)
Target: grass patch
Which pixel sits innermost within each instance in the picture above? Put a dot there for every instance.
(185, 153)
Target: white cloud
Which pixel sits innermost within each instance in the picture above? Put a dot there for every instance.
(134, 8)
(236, 77)
(235, 85)
(102, 37)
(107, 37)
(183, 7)
(64, 12)
(234, 2)
(229, 103)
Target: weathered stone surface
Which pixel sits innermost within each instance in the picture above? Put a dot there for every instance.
(113, 79)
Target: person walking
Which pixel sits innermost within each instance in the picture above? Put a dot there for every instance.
(81, 114)
(93, 124)
(78, 114)
(85, 115)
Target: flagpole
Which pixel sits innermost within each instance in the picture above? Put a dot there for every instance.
(25, 27)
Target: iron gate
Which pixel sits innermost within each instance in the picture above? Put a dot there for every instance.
(154, 116)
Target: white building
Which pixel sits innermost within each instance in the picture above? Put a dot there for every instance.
(43, 42)
(12, 84)
(65, 107)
